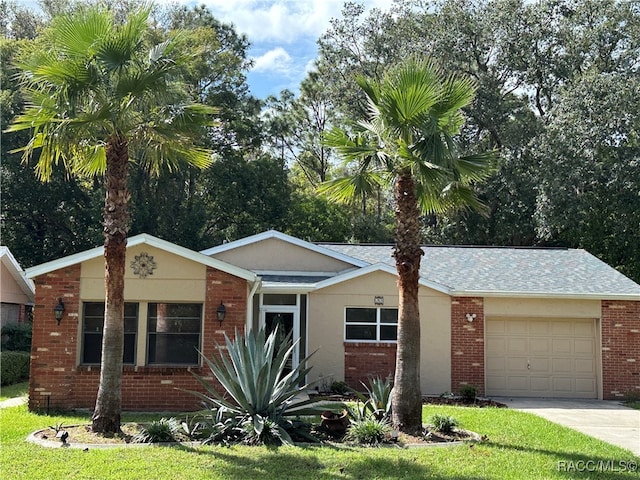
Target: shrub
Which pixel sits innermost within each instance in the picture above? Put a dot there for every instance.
(14, 367)
(444, 423)
(468, 393)
(368, 431)
(339, 387)
(259, 392)
(163, 430)
(16, 337)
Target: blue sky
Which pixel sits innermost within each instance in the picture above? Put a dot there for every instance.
(282, 34)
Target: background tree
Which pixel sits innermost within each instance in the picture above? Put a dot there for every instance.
(589, 190)
(296, 125)
(40, 221)
(523, 57)
(97, 98)
(408, 140)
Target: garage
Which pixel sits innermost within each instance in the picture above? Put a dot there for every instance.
(541, 357)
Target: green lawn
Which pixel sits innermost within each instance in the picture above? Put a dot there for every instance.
(520, 446)
(15, 390)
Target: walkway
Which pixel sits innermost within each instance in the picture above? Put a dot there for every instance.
(607, 420)
(13, 402)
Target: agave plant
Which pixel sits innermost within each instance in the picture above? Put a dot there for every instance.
(259, 393)
(376, 402)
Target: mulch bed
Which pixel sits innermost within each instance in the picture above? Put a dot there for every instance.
(461, 402)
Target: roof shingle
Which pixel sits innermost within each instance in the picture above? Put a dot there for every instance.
(514, 270)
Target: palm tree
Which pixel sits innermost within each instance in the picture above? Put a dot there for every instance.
(97, 99)
(408, 141)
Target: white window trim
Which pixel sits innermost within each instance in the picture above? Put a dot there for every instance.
(378, 324)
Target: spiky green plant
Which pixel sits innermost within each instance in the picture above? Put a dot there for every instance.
(163, 430)
(376, 402)
(444, 423)
(259, 392)
(368, 431)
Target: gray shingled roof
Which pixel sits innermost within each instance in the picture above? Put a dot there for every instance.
(514, 270)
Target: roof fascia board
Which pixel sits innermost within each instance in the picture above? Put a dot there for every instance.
(151, 241)
(280, 287)
(547, 295)
(26, 284)
(285, 238)
(295, 273)
(377, 267)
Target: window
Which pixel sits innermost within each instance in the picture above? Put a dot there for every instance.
(92, 325)
(371, 324)
(173, 331)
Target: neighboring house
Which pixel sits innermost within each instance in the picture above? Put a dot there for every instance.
(16, 290)
(509, 321)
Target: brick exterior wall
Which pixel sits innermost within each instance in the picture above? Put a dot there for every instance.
(467, 343)
(57, 382)
(365, 360)
(620, 348)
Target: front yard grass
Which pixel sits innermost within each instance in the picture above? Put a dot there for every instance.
(519, 446)
(12, 391)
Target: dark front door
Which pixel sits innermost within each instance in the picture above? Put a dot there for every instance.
(284, 321)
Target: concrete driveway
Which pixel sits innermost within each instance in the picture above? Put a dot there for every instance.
(607, 420)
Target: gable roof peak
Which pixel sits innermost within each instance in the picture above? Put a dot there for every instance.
(140, 239)
(269, 234)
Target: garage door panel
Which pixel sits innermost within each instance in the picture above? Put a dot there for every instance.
(540, 384)
(517, 344)
(585, 347)
(562, 385)
(584, 329)
(497, 383)
(516, 327)
(561, 328)
(585, 385)
(562, 365)
(518, 383)
(539, 365)
(539, 328)
(561, 345)
(516, 364)
(497, 345)
(539, 346)
(496, 327)
(496, 365)
(585, 366)
(541, 357)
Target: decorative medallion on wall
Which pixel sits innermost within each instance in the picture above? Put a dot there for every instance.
(143, 265)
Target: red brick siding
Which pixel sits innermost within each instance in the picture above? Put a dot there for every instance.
(467, 343)
(57, 382)
(620, 348)
(365, 360)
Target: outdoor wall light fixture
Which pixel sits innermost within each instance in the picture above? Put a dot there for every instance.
(222, 312)
(58, 310)
(471, 317)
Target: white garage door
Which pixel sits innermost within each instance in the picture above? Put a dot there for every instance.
(541, 357)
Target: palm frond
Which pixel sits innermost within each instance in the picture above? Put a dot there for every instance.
(350, 147)
(346, 189)
(76, 35)
(477, 167)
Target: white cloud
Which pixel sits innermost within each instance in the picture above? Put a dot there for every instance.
(283, 21)
(276, 60)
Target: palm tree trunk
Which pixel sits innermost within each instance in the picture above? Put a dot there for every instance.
(407, 397)
(106, 416)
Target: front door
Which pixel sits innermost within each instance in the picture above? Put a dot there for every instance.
(286, 320)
